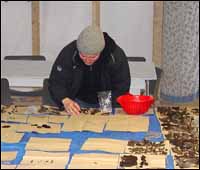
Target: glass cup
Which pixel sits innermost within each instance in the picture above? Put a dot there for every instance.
(105, 101)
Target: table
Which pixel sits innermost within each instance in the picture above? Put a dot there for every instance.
(25, 73)
(79, 138)
(32, 73)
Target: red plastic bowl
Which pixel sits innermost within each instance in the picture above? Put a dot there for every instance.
(135, 104)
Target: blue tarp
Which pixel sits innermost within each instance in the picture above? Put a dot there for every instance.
(78, 138)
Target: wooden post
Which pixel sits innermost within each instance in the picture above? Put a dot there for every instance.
(35, 28)
(158, 33)
(96, 13)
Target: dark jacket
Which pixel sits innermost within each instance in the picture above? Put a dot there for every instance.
(67, 75)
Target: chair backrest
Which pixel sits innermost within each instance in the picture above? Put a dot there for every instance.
(46, 97)
(26, 57)
(136, 59)
(5, 93)
(154, 84)
(35, 93)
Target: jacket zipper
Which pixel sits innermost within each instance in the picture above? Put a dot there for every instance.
(90, 68)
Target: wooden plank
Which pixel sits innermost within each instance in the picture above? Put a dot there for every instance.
(48, 144)
(94, 161)
(11, 137)
(105, 144)
(44, 160)
(157, 33)
(8, 155)
(35, 28)
(128, 123)
(5, 166)
(96, 13)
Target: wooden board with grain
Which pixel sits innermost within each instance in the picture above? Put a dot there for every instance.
(94, 161)
(44, 160)
(8, 155)
(128, 123)
(48, 144)
(105, 144)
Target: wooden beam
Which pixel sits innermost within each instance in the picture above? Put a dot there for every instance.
(96, 13)
(35, 28)
(158, 33)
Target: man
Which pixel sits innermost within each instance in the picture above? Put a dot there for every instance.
(88, 65)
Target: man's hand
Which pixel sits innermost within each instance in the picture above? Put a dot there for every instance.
(70, 106)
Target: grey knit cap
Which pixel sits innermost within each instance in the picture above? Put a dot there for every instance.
(91, 40)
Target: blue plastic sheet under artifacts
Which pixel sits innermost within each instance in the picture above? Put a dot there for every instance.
(78, 138)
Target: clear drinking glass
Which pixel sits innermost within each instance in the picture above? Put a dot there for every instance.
(105, 101)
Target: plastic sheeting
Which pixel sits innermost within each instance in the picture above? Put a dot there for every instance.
(78, 138)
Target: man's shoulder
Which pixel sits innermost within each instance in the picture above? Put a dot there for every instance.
(118, 54)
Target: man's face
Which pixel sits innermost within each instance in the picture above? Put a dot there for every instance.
(89, 59)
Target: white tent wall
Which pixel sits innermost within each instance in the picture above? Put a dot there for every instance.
(129, 23)
(16, 35)
(61, 23)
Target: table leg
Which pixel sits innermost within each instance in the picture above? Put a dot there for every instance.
(147, 87)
